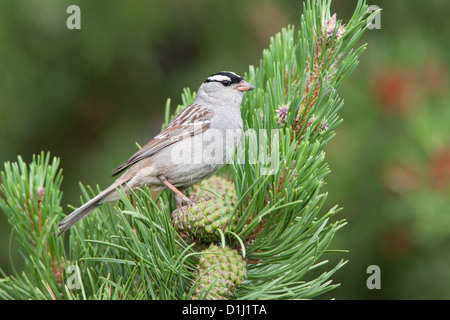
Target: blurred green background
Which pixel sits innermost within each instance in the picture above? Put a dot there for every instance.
(88, 95)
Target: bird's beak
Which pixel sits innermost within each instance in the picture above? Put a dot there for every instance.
(244, 86)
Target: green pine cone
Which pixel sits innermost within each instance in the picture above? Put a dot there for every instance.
(213, 186)
(202, 220)
(220, 271)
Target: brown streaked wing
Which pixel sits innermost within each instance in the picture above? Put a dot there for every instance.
(193, 120)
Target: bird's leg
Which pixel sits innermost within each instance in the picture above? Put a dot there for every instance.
(179, 196)
(179, 200)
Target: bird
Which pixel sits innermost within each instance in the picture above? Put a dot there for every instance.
(194, 145)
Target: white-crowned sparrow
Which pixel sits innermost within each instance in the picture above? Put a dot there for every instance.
(191, 148)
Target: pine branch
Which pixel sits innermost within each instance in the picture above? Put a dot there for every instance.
(32, 205)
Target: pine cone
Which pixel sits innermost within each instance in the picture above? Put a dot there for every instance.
(219, 185)
(202, 220)
(220, 271)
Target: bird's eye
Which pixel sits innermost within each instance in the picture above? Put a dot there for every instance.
(226, 83)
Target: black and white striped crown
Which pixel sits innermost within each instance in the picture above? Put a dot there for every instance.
(224, 76)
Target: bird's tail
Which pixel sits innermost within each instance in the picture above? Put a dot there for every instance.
(86, 208)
